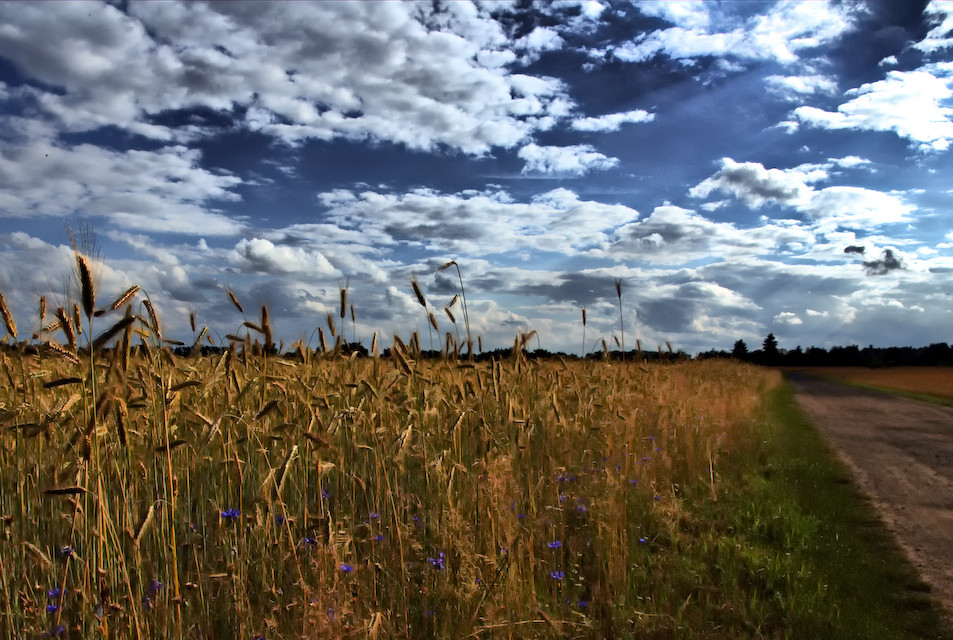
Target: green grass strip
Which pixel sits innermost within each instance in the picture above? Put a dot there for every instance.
(850, 579)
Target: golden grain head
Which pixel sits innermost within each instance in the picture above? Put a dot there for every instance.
(234, 299)
(7, 318)
(86, 284)
(127, 295)
(67, 326)
(419, 293)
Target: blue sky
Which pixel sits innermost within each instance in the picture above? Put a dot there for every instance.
(741, 167)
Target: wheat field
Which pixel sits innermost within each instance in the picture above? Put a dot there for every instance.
(145, 494)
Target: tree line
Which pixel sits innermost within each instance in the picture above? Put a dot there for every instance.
(936, 354)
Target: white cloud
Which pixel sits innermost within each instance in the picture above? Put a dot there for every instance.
(793, 87)
(908, 103)
(830, 207)
(786, 29)
(689, 15)
(788, 318)
(611, 121)
(754, 184)
(263, 256)
(941, 35)
(162, 190)
(855, 208)
(397, 72)
(573, 160)
(475, 223)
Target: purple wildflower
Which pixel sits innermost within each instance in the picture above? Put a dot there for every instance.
(437, 562)
(54, 593)
(52, 608)
(555, 544)
(346, 568)
(231, 514)
(557, 575)
(378, 538)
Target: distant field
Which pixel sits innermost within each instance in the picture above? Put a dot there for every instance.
(934, 381)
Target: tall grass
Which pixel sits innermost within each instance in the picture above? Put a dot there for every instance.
(248, 494)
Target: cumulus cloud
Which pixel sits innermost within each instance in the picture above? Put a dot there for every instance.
(163, 190)
(396, 72)
(908, 103)
(940, 36)
(788, 318)
(476, 223)
(796, 87)
(611, 121)
(830, 207)
(263, 256)
(672, 235)
(572, 160)
(786, 29)
(754, 184)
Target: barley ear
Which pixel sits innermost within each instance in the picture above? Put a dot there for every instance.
(419, 293)
(234, 299)
(8, 318)
(128, 295)
(86, 283)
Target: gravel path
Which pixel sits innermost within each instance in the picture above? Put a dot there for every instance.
(901, 453)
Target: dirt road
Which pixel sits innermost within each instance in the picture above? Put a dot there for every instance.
(901, 453)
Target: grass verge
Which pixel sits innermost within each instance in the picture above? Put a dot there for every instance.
(798, 498)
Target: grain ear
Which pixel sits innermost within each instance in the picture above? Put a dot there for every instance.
(86, 284)
(8, 322)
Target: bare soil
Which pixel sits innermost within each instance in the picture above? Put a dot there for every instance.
(900, 452)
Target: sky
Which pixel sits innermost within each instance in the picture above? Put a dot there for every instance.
(739, 168)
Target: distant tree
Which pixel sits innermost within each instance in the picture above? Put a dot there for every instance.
(740, 350)
(770, 349)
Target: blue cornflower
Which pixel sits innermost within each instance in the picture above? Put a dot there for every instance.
(562, 497)
(279, 520)
(378, 538)
(582, 604)
(155, 587)
(437, 562)
(231, 514)
(54, 593)
(325, 494)
(346, 568)
(555, 544)
(373, 515)
(51, 608)
(557, 575)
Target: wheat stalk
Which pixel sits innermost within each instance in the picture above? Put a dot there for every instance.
(618, 292)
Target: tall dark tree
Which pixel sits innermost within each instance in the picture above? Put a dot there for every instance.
(770, 349)
(740, 350)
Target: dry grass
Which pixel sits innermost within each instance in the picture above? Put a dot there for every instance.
(934, 381)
